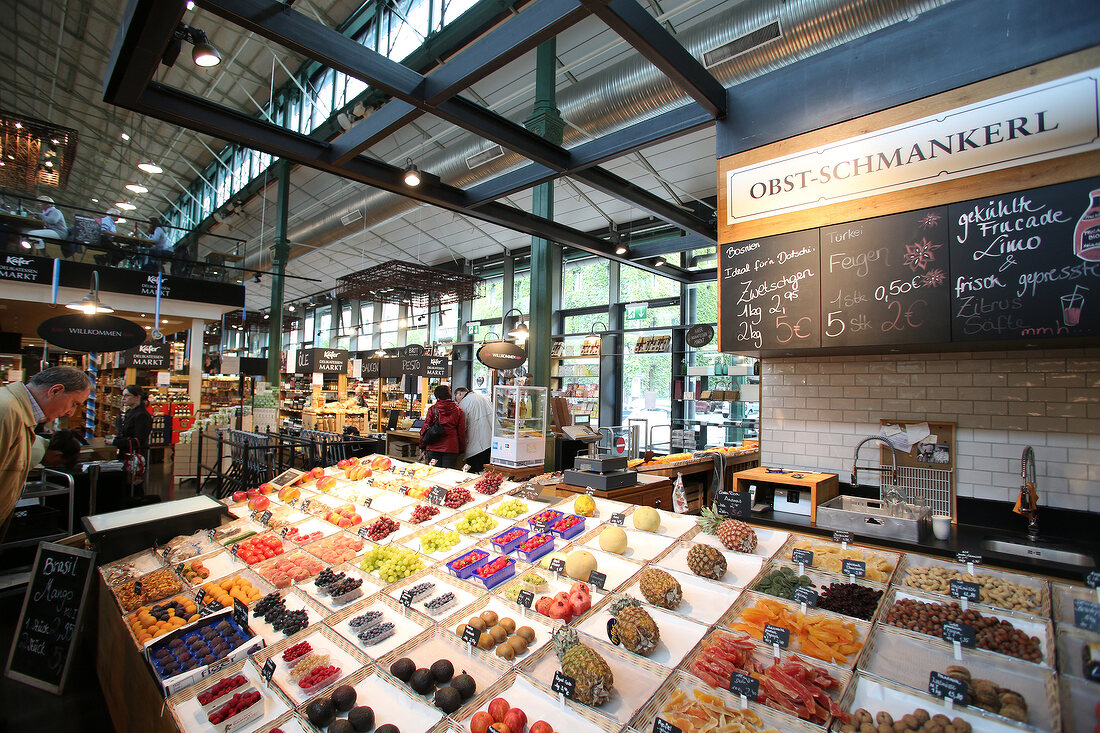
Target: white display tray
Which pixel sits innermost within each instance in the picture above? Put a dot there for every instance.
(221, 564)
(679, 635)
(554, 584)
(322, 644)
(874, 695)
(703, 600)
(405, 514)
(541, 625)
(191, 718)
(741, 569)
(640, 546)
(465, 542)
(604, 508)
(371, 585)
(539, 704)
(618, 569)
(309, 526)
(768, 541)
(349, 539)
(501, 523)
(636, 678)
(672, 524)
(392, 704)
(533, 507)
(295, 601)
(403, 530)
(406, 624)
(465, 593)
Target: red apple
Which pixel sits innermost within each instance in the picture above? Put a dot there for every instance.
(516, 720)
(480, 722)
(342, 463)
(580, 603)
(381, 463)
(239, 496)
(259, 503)
(561, 609)
(344, 521)
(326, 483)
(497, 708)
(355, 519)
(253, 492)
(541, 726)
(353, 461)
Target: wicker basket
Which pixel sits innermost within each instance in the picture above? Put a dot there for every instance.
(1039, 586)
(823, 580)
(275, 651)
(854, 552)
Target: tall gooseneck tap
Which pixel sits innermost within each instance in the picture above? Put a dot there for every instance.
(893, 470)
(1029, 497)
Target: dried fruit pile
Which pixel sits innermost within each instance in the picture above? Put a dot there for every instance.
(793, 686)
(817, 635)
(703, 712)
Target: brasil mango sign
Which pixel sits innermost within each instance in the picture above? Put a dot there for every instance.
(501, 355)
(91, 333)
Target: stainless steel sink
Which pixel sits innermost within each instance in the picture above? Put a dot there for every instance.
(1038, 551)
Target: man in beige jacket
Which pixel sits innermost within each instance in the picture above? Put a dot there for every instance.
(52, 393)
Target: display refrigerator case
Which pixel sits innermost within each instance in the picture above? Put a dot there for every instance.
(519, 426)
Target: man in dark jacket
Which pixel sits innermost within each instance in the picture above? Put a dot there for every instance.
(446, 412)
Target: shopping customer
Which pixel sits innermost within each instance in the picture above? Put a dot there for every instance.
(443, 435)
(161, 248)
(132, 437)
(52, 393)
(479, 427)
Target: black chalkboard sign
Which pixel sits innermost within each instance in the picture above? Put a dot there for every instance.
(1086, 615)
(733, 504)
(940, 685)
(1020, 269)
(777, 635)
(884, 281)
(45, 636)
(964, 589)
(769, 291)
(743, 684)
(962, 633)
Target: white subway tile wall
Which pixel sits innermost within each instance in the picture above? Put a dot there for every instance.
(815, 410)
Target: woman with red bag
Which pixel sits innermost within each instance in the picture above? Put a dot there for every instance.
(443, 435)
(132, 437)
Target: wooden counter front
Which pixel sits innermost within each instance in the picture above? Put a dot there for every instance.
(822, 486)
(654, 491)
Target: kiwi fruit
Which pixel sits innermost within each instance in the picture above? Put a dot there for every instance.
(387, 728)
(485, 641)
(506, 652)
(448, 699)
(489, 617)
(498, 633)
(422, 681)
(442, 670)
(361, 718)
(477, 623)
(461, 629)
(465, 685)
(518, 644)
(343, 697)
(508, 624)
(527, 633)
(403, 669)
(321, 712)
(341, 726)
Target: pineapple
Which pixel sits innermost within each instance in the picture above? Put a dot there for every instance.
(636, 629)
(591, 675)
(732, 533)
(706, 561)
(660, 588)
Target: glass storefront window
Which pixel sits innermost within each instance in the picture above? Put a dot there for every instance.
(490, 304)
(647, 384)
(584, 282)
(636, 284)
(585, 322)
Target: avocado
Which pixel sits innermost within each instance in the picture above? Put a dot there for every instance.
(403, 669)
(422, 681)
(361, 718)
(448, 699)
(321, 712)
(465, 685)
(442, 670)
(343, 697)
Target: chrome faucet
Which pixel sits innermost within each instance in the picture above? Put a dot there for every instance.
(893, 471)
(1027, 485)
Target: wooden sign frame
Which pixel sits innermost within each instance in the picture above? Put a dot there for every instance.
(34, 681)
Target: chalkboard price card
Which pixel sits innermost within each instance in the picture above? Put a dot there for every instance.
(769, 291)
(963, 589)
(802, 557)
(660, 725)
(885, 280)
(240, 613)
(268, 670)
(470, 635)
(969, 558)
(733, 503)
(406, 600)
(617, 518)
(1092, 579)
(525, 598)
(943, 686)
(962, 633)
(597, 579)
(1019, 268)
(590, 490)
(802, 594)
(1086, 615)
(777, 635)
(563, 684)
(557, 565)
(53, 607)
(437, 495)
(364, 531)
(742, 684)
(856, 568)
(842, 535)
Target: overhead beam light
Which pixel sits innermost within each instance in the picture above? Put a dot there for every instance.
(125, 205)
(412, 173)
(90, 304)
(125, 137)
(150, 168)
(136, 188)
(203, 54)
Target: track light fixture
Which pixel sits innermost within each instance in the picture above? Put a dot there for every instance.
(659, 262)
(90, 303)
(203, 54)
(412, 173)
(621, 249)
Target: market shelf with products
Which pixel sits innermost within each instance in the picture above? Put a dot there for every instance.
(434, 597)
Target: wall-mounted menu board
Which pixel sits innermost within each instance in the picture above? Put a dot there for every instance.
(1018, 267)
(884, 280)
(769, 293)
(1022, 266)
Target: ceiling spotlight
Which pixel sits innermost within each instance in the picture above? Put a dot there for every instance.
(48, 164)
(240, 281)
(204, 53)
(90, 304)
(136, 188)
(659, 262)
(95, 201)
(267, 316)
(621, 249)
(291, 308)
(190, 4)
(18, 125)
(412, 173)
(125, 205)
(125, 137)
(345, 121)
(150, 168)
(26, 244)
(54, 140)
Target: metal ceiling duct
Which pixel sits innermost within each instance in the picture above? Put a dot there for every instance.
(632, 91)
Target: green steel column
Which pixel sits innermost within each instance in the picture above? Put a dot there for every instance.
(280, 253)
(545, 120)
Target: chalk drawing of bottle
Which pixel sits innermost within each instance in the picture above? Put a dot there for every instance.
(1086, 237)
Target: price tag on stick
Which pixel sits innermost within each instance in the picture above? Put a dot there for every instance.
(470, 635)
(525, 598)
(563, 684)
(962, 633)
(660, 725)
(853, 569)
(948, 688)
(745, 686)
(557, 565)
(268, 671)
(597, 579)
(777, 635)
(802, 557)
(617, 518)
(842, 536)
(1086, 615)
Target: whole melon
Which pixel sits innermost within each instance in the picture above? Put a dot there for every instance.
(613, 539)
(646, 519)
(579, 565)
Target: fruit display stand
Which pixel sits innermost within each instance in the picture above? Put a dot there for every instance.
(406, 625)
(740, 568)
(401, 708)
(640, 546)
(679, 635)
(539, 703)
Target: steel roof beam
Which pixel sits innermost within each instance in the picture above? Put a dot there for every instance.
(649, 38)
(377, 126)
